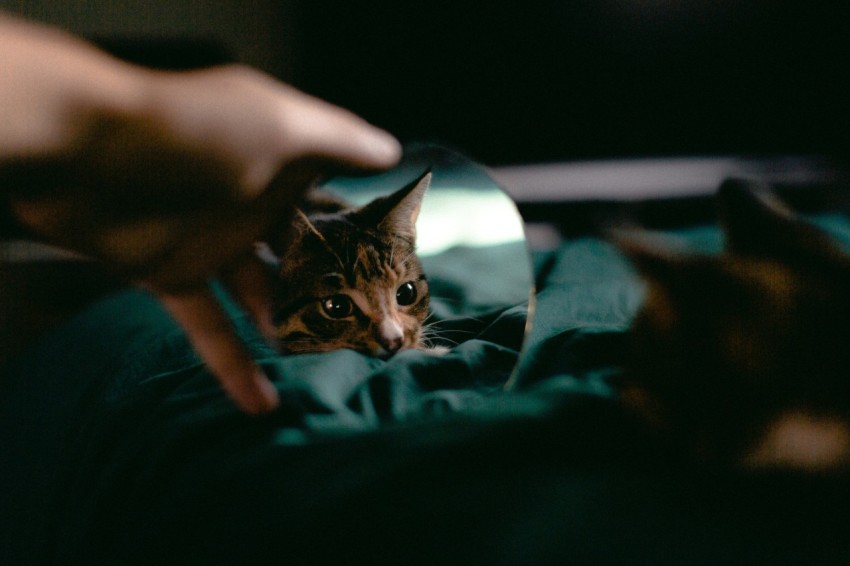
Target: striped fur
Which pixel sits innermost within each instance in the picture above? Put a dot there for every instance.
(351, 278)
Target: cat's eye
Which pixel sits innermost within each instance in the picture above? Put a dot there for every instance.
(338, 306)
(406, 294)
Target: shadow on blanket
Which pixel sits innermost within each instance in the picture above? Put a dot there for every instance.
(119, 447)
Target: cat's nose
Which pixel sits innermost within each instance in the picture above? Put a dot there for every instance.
(391, 345)
(390, 337)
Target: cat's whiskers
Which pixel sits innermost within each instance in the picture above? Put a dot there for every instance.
(428, 323)
(430, 332)
(432, 340)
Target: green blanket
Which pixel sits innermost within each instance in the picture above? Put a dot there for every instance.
(118, 447)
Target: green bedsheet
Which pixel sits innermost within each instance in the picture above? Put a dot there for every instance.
(118, 447)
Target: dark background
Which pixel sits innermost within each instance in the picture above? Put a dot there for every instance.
(531, 81)
(558, 80)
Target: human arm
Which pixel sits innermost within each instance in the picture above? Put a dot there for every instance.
(168, 177)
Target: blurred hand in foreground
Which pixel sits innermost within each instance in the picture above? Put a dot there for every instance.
(170, 178)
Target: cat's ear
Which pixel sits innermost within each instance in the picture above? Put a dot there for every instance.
(396, 214)
(757, 224)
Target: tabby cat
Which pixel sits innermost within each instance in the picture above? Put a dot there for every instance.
(351, 278)
(743, 358)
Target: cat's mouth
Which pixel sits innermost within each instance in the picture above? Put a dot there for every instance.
(383, 353)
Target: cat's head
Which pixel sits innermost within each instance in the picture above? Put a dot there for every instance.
(351, 279)
(724, 345)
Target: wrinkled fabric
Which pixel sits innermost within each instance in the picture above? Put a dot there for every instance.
(119, 447)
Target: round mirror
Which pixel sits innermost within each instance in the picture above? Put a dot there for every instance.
(471, 243)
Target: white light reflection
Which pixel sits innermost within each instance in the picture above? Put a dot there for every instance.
(460, 217)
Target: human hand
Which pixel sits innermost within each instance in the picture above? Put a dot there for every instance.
(174, 188)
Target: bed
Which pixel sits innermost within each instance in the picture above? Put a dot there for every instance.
(120, 448)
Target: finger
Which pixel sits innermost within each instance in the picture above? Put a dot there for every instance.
(327, 131)
(248, 281)
(211, 333)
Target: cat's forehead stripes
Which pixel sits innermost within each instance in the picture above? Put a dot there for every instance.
(359, 255)
(378, 263)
